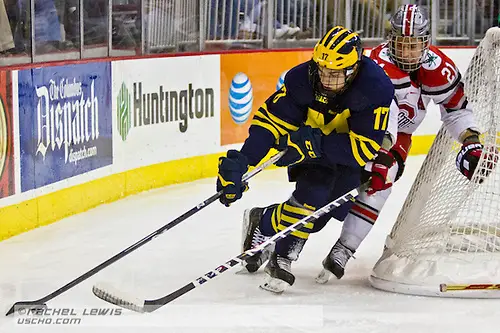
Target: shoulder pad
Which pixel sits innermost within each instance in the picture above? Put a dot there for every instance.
(438, 73)
(373, 84)
(297, 83)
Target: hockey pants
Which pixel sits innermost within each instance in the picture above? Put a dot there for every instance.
(315, 186)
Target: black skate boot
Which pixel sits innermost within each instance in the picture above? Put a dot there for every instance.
(252, 237)
(335, 262)
(279, 274)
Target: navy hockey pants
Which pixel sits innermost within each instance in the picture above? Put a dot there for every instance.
(316, 185)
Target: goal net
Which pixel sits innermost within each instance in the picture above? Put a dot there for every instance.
(448, 231)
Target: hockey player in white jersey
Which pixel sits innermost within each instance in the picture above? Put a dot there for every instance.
(420, 73)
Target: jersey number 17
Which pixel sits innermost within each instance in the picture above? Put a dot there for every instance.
(381, 116)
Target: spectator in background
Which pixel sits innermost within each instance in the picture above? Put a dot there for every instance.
(371, 20)
(242, 19)
(6, 38)
(254, 21)
(297, 15)
(18, 20)
(47, 30)
(224, 17)
(67, 12)
(47, 27)
(127, 22)
(95, 22)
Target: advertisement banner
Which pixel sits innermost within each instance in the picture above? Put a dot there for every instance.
(65, 122)
(247, 80)
(7, 185)
(165, 109)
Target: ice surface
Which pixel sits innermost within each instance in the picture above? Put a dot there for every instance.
(40, 261)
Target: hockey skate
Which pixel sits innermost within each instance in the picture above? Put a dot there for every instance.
(279, 274)
(252, 237)
(334, 263)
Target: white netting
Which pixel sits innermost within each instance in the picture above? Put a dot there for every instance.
(449, 228)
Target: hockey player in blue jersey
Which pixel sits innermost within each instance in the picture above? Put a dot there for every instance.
(331, 114)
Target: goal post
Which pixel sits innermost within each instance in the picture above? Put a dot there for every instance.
(446, 239)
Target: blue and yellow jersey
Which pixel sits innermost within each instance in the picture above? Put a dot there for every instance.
(353, 123)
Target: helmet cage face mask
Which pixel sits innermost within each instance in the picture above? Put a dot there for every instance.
(408, 53)
(335, 81)
(409, 39)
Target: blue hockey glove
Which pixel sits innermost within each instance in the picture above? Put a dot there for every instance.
(305, 143)
(231, 170)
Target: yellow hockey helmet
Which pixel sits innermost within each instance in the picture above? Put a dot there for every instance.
(339, 48)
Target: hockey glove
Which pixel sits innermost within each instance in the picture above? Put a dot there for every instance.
(231, 170)
(305, 143)
(468, 158)
(380, 168)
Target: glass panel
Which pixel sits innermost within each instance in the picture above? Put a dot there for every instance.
(15, 34)
(95, 28)
(68, 14)
(51, 42)
(171, 26)
(126, 27)
(235, 24)
(487, 12)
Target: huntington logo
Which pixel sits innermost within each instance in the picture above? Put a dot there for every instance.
(123, 109)
(156, 105)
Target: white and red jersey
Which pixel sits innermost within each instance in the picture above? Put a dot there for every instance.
(439, 80)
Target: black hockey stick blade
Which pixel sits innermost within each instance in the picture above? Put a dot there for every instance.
(117, 297)
(143, 241)
(26, 306)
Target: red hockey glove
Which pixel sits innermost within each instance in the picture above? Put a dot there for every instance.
(381, 165)
(468, 158)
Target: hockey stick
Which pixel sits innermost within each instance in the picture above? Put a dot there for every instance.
(40, 303)
(114, 296)
(443, 287)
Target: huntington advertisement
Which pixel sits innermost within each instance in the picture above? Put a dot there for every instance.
(64, 122)
(167, 114)
(6, 136)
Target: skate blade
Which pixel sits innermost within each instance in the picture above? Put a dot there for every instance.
(324, 276)
(243, 270)
(274, 285)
